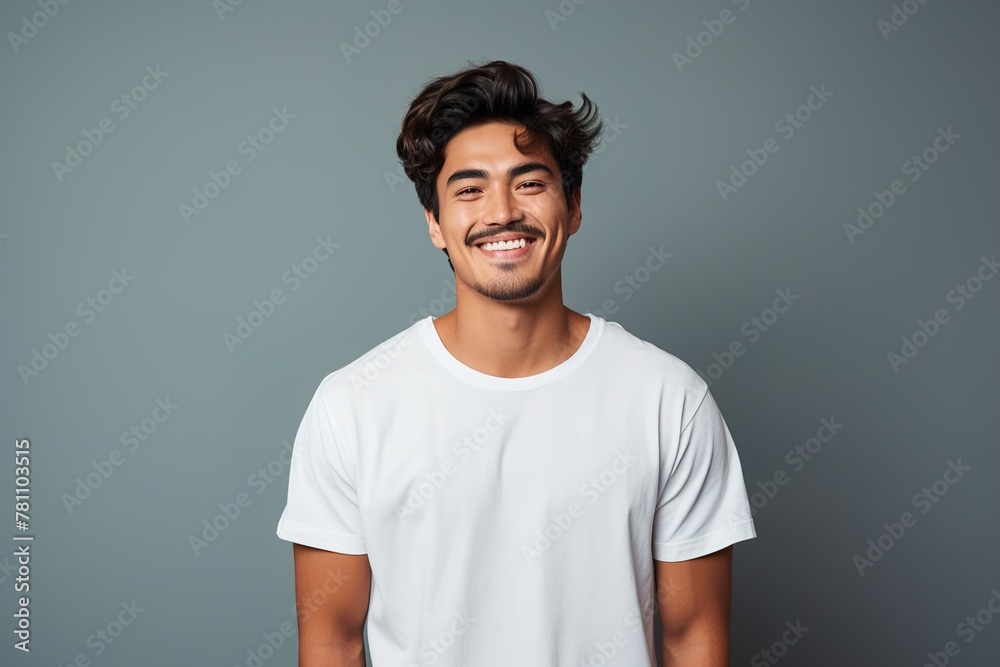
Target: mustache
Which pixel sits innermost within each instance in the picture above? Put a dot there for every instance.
(512, 227)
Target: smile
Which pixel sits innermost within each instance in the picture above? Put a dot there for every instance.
(512, 249)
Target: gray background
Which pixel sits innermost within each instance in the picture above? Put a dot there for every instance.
(681, 130)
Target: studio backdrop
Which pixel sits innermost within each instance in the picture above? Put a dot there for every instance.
(203, 216)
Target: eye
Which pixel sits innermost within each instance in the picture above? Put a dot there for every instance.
(532, 183)
(462, 192)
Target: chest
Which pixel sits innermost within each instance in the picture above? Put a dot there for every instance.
(508, 462)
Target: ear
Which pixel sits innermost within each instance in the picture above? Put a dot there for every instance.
(434, 229)
(575, 214)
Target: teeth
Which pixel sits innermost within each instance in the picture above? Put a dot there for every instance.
(505, 245)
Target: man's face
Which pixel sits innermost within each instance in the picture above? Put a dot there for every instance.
(489, 191)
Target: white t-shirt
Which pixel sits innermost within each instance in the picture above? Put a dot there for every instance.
(514, 521)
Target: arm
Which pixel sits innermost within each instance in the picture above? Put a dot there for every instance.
(332, 592)
(694, 599)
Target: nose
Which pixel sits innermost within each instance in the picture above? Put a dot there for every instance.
(500, 207)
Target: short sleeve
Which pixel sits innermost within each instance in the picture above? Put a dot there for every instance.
(322, 508)
(702, 503)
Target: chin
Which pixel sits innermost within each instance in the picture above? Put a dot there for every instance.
(500, 290)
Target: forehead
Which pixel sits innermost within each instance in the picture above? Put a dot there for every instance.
(490, 143)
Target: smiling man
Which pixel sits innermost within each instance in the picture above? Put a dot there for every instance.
(518, 483)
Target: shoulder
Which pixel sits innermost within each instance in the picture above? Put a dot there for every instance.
(381, 362)
(637, 358)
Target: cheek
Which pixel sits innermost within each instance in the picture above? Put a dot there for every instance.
(552, 205)
(455, 224)
(461, 216)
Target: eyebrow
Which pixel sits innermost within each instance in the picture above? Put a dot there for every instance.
(513, 172)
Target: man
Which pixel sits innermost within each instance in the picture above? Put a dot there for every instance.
(512, 483)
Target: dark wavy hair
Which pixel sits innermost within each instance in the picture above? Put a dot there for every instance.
(494, 91)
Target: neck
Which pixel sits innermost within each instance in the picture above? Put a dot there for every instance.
(512, 339)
